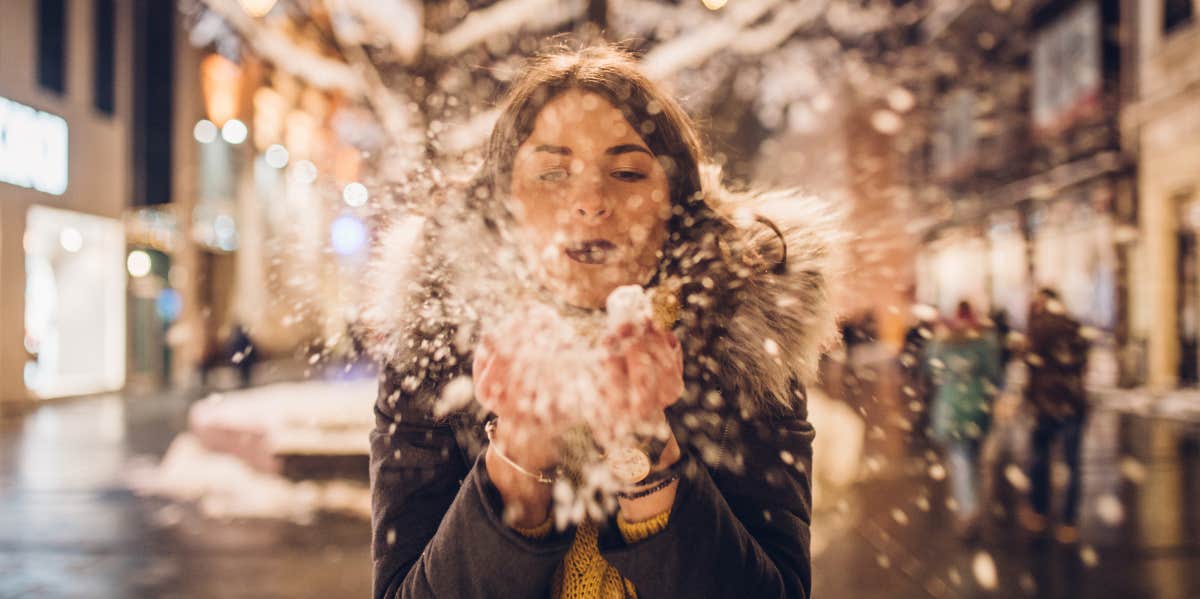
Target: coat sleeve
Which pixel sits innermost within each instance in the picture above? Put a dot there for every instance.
(436, 526)
(733, 534)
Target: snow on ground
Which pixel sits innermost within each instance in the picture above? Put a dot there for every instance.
(311, 418)
(223, 486)
(838, 446)
(334, 418)
(837, 455)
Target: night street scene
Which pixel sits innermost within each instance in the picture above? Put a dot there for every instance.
(600, 299)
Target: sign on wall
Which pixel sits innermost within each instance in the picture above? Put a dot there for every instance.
(1067, 67)
(33, 148)
(956, 143)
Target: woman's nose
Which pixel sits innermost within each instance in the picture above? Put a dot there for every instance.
(590, 202)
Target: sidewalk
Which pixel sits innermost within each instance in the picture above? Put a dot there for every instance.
(890, 534)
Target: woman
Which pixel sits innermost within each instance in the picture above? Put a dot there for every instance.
(591, 182)
(965, 366)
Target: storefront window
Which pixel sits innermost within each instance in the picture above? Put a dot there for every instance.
(954, 269)
(1074, 255)
(74, 303)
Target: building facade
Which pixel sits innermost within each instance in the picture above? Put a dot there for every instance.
(88, 232)
(1162, 125)
(66, 114)
(1023, 167)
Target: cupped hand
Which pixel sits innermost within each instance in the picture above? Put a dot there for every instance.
(645, 371)
(512, 373)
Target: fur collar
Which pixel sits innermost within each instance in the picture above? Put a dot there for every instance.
(786, 319)
(436, 277)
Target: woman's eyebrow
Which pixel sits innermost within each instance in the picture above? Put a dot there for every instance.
(626, 148)
(561, 150)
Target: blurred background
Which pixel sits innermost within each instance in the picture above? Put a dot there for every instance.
(190, 189)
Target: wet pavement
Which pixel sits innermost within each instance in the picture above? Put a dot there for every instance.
(892, 534)
(69, 527)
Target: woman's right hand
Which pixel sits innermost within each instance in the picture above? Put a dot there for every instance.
(524, 433)
(525, 430)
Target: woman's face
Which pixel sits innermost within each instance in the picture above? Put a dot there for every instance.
(590, 201)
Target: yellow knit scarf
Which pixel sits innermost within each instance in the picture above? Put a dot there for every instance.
(584, 573)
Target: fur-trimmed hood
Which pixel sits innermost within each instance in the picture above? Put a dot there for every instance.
(436, 277)
(786, 319)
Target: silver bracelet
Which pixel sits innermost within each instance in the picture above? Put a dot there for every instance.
(541, 477)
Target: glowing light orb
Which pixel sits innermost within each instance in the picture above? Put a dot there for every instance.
(70, 239)
(355, 194)
(276, 156)
(138, 263)
(205, 131)
(348, 235)
(234, 131)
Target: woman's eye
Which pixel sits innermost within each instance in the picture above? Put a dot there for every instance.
(628, 175)
(554, 175)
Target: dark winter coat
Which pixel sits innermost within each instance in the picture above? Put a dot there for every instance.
(1057, 359)
(740, 522)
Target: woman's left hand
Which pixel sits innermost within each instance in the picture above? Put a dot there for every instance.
(645, 365)
(645, 376)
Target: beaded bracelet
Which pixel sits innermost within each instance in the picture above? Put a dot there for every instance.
(662, 484)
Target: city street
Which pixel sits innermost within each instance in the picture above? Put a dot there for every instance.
(965, 232)
(886, 545)
(69, 527)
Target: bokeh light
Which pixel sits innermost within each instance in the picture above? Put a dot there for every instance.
(348, 235)
(71, 239)
(276, 156)
(234, 131)
(205, 131)
(355, 194)
(138, 263)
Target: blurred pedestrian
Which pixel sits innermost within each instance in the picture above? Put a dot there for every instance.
(859, 370)
(916, 384)
(1008, 441)
(1057, 360)
(1003, 330)
(964, 362)
(239, 353)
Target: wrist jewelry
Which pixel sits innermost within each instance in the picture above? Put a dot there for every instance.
(542, 477)
(630, 465)
(658, 480)
(662, 484)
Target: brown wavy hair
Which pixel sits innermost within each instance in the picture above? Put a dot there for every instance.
(699, 264)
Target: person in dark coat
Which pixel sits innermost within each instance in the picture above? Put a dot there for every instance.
(473, 492)
(1057, 359)
(917, 387)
